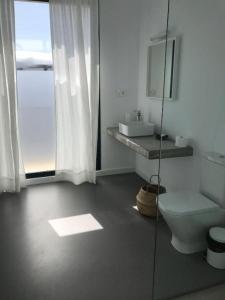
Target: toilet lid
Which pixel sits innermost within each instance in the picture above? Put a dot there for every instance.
(185, 202)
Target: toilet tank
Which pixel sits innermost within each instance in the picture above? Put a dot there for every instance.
(213, 177)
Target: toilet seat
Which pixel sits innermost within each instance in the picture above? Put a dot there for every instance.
(185, 203)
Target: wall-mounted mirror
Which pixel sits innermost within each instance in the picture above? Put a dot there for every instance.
(155, 74)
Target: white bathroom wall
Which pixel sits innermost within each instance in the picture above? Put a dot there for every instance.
(199, 110)
(119, 64)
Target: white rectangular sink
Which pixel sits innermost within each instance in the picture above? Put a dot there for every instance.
(136, 128)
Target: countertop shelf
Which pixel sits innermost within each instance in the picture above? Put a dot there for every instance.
(148, 146)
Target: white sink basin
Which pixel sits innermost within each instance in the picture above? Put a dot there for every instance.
(136, 128)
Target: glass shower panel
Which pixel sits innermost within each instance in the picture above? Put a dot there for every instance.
(194, 119)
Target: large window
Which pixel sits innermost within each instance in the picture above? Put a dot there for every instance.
(35, 86)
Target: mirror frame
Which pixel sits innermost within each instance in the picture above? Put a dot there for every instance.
(174, 71)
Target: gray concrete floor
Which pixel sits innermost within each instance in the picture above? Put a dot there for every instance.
(214, 293)
(178, 274)
(113, 263)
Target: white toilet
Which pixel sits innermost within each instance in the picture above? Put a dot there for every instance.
(190, 214)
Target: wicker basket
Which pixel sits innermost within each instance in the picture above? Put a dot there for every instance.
(146, 199)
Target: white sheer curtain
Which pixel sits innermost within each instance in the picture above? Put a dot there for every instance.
(11, 169)
(74, 26)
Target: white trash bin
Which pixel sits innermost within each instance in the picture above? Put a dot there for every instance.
(216, 247)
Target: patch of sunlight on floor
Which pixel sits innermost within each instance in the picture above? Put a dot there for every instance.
(75, 225)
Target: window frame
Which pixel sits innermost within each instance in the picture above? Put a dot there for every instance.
(51, 173)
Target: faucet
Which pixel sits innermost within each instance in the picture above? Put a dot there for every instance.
(138, 115)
